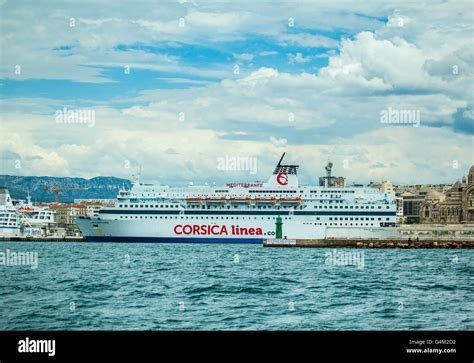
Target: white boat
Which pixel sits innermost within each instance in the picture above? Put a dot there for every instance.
(34, 215)
(34, 219)
(243, 212)
(10, 223)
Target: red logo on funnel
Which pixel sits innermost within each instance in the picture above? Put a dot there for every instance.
(282, 178)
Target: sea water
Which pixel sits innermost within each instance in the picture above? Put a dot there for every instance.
(122, 286)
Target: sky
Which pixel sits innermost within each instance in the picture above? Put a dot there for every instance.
(172, 88)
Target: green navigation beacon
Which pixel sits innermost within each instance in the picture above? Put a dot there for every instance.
(279, 229)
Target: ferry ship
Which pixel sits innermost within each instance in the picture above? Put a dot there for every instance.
(10, 222)
(243, 212)
(34, 219)
(22, 219)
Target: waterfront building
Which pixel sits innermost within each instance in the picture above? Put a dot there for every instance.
(333, 181)
(93, 205)
(389, 189)
(421, 189)
(64, 213)
(454, 206)
(411, 207)
(330, 181)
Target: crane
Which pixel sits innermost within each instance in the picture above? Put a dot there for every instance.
(57, 189)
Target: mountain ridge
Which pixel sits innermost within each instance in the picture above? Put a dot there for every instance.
(99, 187)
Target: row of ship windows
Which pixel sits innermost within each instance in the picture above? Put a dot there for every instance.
(352, 207)
(261, 192)
(274, 191)
(259, 207)
(342, 224)
(291, 191)
(284, 194)
(181, 217)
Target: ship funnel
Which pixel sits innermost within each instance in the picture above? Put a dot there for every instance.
(284, 175)
(5, 199)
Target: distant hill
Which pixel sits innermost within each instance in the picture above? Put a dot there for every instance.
(98, 187)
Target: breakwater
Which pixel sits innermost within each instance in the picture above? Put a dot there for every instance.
(369, 243)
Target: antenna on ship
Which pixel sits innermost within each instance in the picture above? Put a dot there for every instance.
(281, 159)
(136, 177)
(28, 197)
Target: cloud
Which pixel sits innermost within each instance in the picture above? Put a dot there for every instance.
(93, 35)
(113, 143)
(243, 56)
(297, 58)
(307, 40)
(175, 80)
(278, 142)
(332, 111)
(20, 154)
(463, 120)
(397, 21)
(268, 53)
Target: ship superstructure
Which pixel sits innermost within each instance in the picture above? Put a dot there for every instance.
(34, 218)
(10, 223)
(242, 212)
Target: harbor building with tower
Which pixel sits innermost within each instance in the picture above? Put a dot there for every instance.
(454, 206)
(331, 181)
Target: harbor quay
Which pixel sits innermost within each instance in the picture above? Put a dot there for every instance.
(408, 236)
(369, 243)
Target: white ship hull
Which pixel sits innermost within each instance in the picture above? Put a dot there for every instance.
(9, 231)
(176, 230)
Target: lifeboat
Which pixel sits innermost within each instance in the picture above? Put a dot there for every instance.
(290, 200)
(194, 200)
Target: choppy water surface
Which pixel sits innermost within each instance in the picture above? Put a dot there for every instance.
(206, 287)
